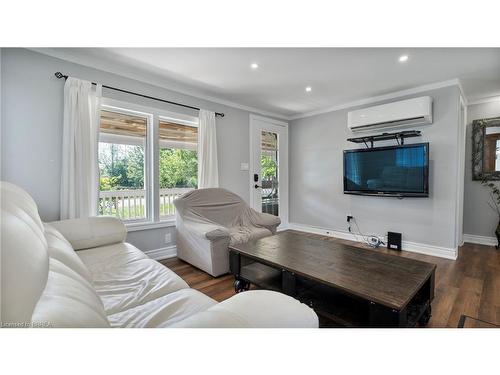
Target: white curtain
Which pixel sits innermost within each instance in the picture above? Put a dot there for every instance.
(208, 171)
(80, 170)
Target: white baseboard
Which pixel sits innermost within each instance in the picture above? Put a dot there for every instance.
(480, 240)
(162, 253)
(414, 247)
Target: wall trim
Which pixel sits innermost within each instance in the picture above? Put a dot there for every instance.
(489, 99)
(379, 98)
(147, 225)
(480, 240)
(162, 252)
(413, 247)
(267, 119)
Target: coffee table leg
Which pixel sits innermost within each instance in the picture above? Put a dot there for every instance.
(384, 317)
(288, 282)
(240, 285)
(426, 316)
(234, 263)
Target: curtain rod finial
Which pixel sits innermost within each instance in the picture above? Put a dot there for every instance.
(59, 75)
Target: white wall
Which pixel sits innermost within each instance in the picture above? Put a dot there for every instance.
(316, 184)
(32, 99)
(479, 219)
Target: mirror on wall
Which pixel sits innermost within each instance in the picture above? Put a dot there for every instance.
(486, 149)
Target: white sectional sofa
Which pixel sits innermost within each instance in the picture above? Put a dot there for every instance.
(81, 273)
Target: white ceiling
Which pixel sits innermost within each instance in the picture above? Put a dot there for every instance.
(337, 75)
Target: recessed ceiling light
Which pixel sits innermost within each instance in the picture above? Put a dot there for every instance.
(308, 89)
(403, 58)
(254, 66)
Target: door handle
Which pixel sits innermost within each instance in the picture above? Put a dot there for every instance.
(257, 186)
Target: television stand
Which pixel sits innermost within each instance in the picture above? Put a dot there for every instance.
(399, 137)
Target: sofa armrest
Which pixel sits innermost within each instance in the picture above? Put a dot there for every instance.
(91, 232)
(255, 309)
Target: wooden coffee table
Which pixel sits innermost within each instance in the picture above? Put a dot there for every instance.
(345, 285)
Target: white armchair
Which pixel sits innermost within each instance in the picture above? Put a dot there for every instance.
(209, 220)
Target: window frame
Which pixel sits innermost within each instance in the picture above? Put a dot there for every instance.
(151, 157)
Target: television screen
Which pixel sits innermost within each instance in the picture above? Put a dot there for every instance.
(394, 171)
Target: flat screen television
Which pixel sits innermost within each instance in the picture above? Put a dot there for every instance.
(399, 171)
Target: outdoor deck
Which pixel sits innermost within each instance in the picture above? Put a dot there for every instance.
(131, 204)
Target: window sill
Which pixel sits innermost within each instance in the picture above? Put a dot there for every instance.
(133, 227)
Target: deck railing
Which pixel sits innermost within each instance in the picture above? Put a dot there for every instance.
(131, 204)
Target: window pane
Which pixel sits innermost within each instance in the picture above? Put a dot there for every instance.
(178, 163)
(269, 172)
(122, 143)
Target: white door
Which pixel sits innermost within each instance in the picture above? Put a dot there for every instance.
(269, 167)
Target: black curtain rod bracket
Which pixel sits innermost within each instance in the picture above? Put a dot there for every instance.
(59, 75)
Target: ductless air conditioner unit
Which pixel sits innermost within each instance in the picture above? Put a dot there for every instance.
(411, 112)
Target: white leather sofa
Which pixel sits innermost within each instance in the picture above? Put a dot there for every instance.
(81, 273)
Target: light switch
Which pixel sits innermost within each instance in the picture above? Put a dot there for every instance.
(244, 167)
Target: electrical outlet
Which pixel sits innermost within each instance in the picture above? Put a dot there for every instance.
(168, 238)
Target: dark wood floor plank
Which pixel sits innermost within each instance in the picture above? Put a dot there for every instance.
(442, 306)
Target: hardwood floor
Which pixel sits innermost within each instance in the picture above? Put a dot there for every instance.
(470, 285)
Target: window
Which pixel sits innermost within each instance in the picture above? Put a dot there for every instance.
(178, 162)
(130, 139)
(122, 145)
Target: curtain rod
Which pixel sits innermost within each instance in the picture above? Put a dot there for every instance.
(59, 75)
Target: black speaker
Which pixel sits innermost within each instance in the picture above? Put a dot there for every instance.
(394, 241)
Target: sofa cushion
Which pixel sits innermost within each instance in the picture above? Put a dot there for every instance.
(24, 258)
(68, 300)
(135, 283)
(263, 309)
(163, 311)
(213, 319)
(240, 234)
(125, 277)
(109, 257)
(59, 248)
(22, 200)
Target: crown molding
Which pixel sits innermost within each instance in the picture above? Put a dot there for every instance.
(149, 78)
(462, 92)
(379, 98)
(488, 99)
